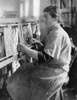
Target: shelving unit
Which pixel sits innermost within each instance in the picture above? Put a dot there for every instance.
(67, 10)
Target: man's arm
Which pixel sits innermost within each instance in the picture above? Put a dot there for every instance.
(28, 51)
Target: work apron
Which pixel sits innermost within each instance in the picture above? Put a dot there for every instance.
(34, 81)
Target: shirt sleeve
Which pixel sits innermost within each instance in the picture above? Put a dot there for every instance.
(42, 57)
(53, 45)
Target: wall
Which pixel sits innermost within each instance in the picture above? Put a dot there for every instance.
(8, 5)
(43, 4)
(13, 5)
(75, 4)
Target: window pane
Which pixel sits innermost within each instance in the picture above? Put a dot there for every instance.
(36, 8)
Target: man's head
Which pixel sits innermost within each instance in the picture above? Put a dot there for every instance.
(52, 10)
(51, 14)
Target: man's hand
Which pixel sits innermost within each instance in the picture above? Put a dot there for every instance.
(20, 47)
(38, 43)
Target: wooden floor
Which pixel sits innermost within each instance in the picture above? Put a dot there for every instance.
(68, 95)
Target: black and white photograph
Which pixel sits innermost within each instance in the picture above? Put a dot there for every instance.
(38, 49)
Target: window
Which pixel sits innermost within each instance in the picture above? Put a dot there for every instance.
(26, 8)
(36, 8)
(21, 10)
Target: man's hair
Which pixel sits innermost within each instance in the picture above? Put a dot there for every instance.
(52, 10)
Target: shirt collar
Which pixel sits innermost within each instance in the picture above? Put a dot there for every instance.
(53, 26)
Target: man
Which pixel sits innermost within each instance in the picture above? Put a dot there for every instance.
(43, 79)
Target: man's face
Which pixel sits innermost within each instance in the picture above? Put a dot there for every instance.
(44, 31)
(47, 18)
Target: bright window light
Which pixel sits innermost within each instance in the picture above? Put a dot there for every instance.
(1, 12)
(21, 10)
(26, 8)
(36, 8)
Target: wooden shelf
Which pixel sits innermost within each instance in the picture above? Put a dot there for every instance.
(65, 10)
(7, 60)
